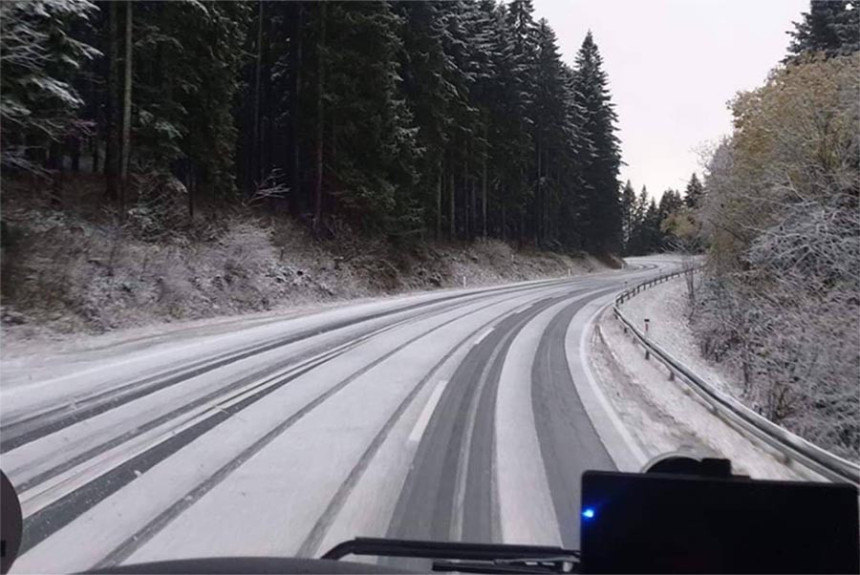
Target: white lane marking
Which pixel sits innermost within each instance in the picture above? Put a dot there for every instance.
(51, 490)
(424, 418)
(616, 437)
(482, 336)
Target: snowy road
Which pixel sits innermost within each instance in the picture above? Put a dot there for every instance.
(461, 415)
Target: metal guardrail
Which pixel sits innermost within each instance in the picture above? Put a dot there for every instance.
(787, 443)
(626, 295)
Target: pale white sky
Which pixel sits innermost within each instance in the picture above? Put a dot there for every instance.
(672, 66)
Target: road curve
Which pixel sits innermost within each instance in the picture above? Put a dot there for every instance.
(453, 415)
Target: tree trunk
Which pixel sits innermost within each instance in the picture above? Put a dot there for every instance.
(126, 107)
(504, 223)
(522, 213)
(268, 108)
(255, 155)
(439, 203)
(320, 119)
(484, 186)
(95, 146)
(191, 189)
(538, 197)
(452, 222)
(473, 228)
(332, 199)
(112, 143)
(76, 156)
(521, 228)
(467, 212)
(297, 203)
(55, 165)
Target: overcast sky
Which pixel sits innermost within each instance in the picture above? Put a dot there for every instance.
(672, 66)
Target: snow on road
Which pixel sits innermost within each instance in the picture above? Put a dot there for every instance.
(285, 434)
(453, 414)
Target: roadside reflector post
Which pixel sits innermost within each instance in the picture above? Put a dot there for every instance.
(647, 321)
(464, 281)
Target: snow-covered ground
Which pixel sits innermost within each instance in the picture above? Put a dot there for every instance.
(667, 307)
(663, 414)
(56, 286)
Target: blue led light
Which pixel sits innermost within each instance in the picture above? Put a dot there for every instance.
(588, 513)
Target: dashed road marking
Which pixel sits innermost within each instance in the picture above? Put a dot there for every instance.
(424, 418)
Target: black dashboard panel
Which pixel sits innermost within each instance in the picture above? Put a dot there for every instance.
(657, 523)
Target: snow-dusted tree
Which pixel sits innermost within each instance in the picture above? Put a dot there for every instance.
(831, 27)
(38, 56)
(600, 173)
(550, 138)
(781, 211)
(693, 193)
(628, 205)
(370, 136)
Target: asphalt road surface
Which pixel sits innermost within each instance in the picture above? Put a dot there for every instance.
(463, 415)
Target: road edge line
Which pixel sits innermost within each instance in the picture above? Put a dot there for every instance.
(619, 443)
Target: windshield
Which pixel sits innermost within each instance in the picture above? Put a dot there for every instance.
(276, 275)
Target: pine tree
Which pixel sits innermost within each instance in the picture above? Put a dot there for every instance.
(549, 136)
(39, 104)
(831, 27)
(507, 137)
(639, 230)
(651, 239)
(577, 146)
(694, 192)
(602, 218)
(628, 208)
(368, 127)
(184, 87)
(523, 34)
(463, 129)
(426, 71)
(211, 133)
(402, 118)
